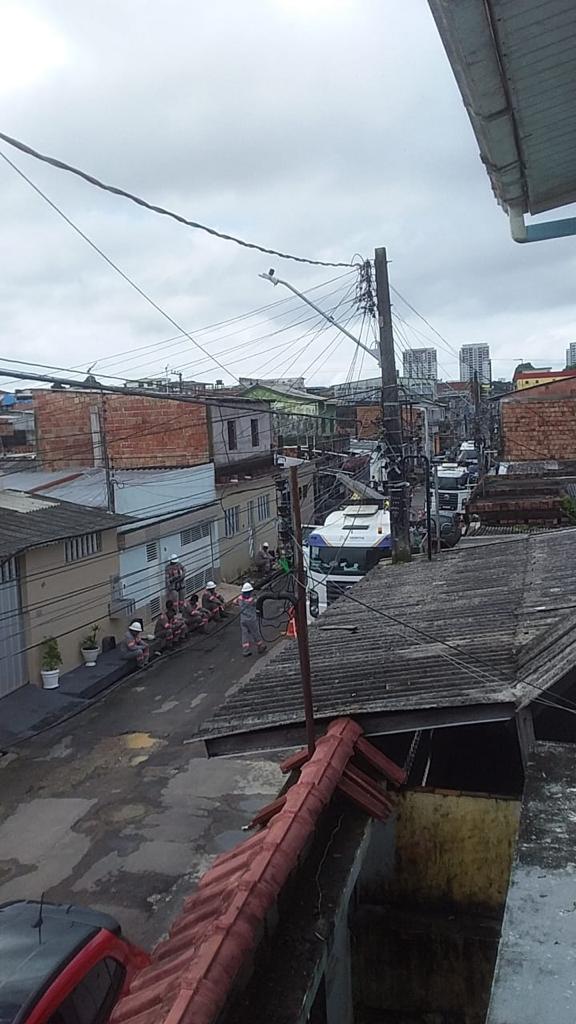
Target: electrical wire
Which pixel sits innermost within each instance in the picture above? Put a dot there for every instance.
(155, 305)
(61, 165)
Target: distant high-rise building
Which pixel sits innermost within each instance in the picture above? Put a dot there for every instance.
(420, 363)
(475, 359)
(571, 356)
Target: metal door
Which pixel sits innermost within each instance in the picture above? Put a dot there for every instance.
(13, 661)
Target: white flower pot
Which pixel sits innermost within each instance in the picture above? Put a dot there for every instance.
(90, 655)
(50, 678)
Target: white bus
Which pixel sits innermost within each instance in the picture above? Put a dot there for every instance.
(338, 554)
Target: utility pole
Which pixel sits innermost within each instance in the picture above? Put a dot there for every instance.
(436, 511)
(301, 612)
(391, 423)
(110, 495)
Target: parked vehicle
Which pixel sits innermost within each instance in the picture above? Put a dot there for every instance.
(62, 964)
(454, 488)
(338, 554)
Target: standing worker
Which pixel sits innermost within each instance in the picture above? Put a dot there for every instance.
(264, 560)
(175, 579)
(249, 622)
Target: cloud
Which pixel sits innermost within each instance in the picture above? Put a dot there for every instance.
(320, 128)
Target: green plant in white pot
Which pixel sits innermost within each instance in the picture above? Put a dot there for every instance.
(50, 664)
(89, 646)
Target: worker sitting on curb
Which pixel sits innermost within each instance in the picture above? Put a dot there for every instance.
(176, 620)
(163, 632)
(213, 602)
(196, 618)
(134, 647)
(249, 628)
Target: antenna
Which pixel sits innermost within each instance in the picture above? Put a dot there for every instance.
(40, 919)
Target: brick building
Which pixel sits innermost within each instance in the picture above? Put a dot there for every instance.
(140, 433)
(540, 422)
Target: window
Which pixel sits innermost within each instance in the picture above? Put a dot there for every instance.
(232, 437)
(8, 571)
(232, 520)
(263, 507)
(151, 551)
(194, 533)
(305, 490)
(198, 581)
(82, 547)
(155, 607)
(255, 432)
(92, 1000)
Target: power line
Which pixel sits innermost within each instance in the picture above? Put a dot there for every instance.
(61, 165)
(114, 265)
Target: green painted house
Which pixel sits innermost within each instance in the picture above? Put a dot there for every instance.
(297, 417)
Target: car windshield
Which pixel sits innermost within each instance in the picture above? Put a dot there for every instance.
(345, 561)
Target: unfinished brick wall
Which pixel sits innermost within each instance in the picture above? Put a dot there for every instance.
(368, 422)
(141, 433)
(540, 425)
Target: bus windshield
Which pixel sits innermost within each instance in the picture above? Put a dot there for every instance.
(345, 561)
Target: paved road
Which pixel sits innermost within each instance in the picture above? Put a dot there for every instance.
(118, 808)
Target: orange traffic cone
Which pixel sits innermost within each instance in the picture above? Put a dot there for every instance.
(291, 630)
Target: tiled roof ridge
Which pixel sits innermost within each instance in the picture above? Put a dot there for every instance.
(194, 970)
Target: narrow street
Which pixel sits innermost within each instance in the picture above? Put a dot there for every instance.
(117, 808)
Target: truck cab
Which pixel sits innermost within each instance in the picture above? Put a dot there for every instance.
(454, 488)
(61, 964)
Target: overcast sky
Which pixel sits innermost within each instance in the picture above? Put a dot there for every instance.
(318, 127)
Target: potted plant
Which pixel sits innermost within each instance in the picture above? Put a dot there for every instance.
(89, 646)
(50, 665)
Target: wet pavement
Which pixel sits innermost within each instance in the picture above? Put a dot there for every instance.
(118, 808)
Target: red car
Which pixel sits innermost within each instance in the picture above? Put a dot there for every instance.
(62, 964)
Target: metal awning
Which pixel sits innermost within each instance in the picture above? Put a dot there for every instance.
(514, 64)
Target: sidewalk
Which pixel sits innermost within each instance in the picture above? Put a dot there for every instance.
(29, 709)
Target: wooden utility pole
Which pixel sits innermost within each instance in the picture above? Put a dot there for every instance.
(399, 489)
(301, 612)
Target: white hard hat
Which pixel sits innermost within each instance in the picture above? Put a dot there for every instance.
(136, 627)
(210, 585)
(265, 544)
(247, 587)
(173, 558)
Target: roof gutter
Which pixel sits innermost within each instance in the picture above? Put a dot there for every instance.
(522, 232)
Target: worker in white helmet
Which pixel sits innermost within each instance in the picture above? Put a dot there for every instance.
(213, 602)
(175, 579)
(264, 559)
(249, 628)
(134, 647)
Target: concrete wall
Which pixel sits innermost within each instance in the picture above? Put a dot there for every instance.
(63, 599)
(242, 415)
(453, 848)
(428, 910)
(237, 551)
(140, 432)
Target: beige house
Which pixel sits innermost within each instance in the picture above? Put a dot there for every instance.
(57, 564)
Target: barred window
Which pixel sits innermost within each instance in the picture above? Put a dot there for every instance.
(232, 520)
(155, 607)
(82, 547)
(263, 507)
(255, 433)
(151, 551)
(198, 581)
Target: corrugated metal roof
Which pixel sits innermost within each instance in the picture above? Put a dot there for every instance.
(514, 64)
(55, 521)
(194, 970)
(478, 600)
